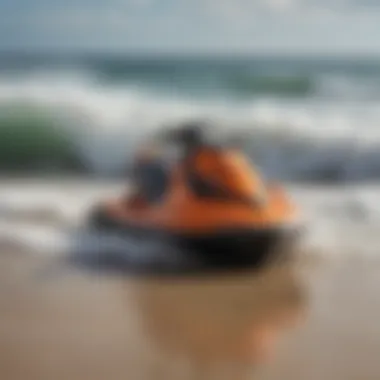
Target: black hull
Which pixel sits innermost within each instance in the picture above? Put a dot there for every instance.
(224, 250)
(233, 249)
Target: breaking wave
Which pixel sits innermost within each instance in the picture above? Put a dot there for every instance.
(76, 123)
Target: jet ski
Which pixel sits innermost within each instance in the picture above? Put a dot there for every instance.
(205, 198)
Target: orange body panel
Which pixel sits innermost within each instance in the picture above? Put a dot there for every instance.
(181, 211)
(232, 170)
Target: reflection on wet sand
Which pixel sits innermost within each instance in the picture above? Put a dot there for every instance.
(233, 319)
(81, 327)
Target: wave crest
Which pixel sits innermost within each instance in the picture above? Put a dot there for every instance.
(75, 124)
(295, 86)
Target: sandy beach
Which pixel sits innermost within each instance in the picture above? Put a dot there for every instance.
(297, 322)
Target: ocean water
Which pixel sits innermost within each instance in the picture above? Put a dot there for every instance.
(307, 122)
(303, 119)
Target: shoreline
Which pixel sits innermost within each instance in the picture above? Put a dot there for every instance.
(68, 324)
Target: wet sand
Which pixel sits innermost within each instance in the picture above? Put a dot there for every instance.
(318, 322)
(286, 323)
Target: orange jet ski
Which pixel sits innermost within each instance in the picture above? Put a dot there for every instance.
(204, 198)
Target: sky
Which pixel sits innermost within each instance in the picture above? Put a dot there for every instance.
(193, 26)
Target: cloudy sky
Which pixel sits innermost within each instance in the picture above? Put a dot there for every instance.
(186, 26)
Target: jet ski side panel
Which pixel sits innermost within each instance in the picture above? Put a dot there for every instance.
(226, 248)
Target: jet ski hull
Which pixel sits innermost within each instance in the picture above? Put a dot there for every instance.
(228, 248)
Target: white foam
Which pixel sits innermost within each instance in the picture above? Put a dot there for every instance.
(340, 220)
(33, 238)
